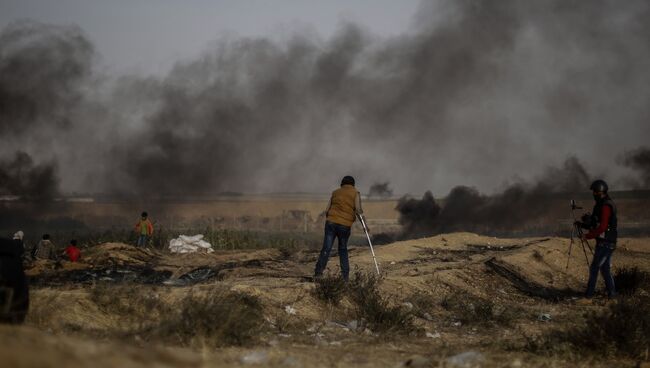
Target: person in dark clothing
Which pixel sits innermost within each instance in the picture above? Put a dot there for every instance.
(14, 291)
(344, 206)
(602, 225)
(18, 237)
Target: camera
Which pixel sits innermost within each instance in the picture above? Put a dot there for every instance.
(587, 221)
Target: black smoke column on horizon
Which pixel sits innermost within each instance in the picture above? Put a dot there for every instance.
(516, 207)
(21, 177)
(418, 217)
(380, 190)
(639, 160)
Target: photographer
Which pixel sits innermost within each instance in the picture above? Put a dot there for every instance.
(602, 226)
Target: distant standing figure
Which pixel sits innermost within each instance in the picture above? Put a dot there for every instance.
(144, 228)
(45, 248)
(72, 252)
(344, 206)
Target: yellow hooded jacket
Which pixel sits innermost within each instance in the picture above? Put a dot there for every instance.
(344, 205)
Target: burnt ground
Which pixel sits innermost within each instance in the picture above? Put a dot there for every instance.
(525, 282)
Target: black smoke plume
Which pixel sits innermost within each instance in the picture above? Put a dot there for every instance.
(475, 91)
(41, 68)
(21, 177)
(380, 190)
(417, 216)
(466, 209)
(639, 160)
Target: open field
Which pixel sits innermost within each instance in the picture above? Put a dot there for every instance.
(502, 302)
(290, 213)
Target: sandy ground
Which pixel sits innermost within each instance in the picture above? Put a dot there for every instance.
(66, 328)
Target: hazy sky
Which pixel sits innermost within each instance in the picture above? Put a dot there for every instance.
(290, 95)
(143, 36)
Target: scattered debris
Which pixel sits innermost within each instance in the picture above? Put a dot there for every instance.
(190, 244)
(435, 335)
(139, 274)
(193, 277)
(468, 359)
(290, 310)
(255, 357)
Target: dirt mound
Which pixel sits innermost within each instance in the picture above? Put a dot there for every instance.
(119, 254)
(466, 291)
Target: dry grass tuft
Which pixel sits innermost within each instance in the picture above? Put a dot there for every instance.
(470, 309)
(623, 329)
(375, 309)
(218, 318)
(330, 289)
(629, 279)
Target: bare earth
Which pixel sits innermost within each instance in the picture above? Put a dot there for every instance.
(66, 327)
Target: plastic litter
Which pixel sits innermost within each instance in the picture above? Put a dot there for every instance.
(544, 317)
(190, 244)
(435, 335)
(290, 310)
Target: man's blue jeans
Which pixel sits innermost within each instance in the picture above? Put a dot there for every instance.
(602, 262)
(333, 231)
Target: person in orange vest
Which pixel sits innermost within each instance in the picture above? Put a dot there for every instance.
(144, 229)
(72, 252)
(342, 210)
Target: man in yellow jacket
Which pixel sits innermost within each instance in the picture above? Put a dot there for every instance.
(344, 206)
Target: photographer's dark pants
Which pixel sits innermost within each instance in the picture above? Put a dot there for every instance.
(602, 262)
(333, 231)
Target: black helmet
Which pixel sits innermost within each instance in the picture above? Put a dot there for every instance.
(144, 214)
(599, 186)
(347, 180)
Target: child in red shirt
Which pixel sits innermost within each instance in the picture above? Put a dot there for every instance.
(72, 251)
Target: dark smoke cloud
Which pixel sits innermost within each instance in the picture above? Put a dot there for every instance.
(639, 160)
(474, 92)
(380, 190)
(41, 67)
(418, 217)
(23, 178)
(467, 209)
